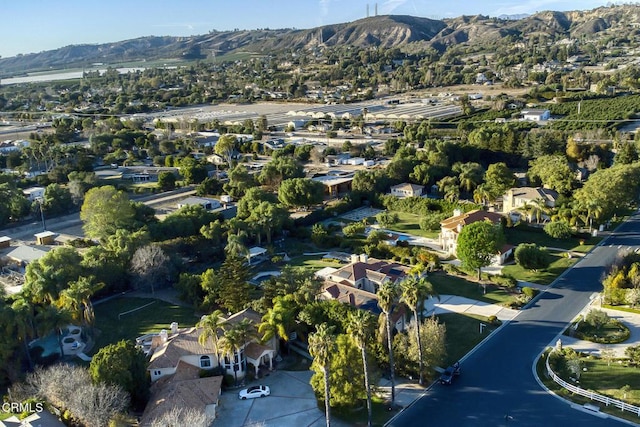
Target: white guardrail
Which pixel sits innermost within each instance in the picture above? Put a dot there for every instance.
(623, 406)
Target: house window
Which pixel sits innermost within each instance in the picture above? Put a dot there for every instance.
(157, 373)
(205, 362)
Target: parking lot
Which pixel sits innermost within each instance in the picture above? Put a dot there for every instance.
(291, 404)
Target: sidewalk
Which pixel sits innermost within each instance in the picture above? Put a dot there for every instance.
(457, 304)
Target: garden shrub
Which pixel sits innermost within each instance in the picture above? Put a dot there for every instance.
(558, 230)
(529, 292)
(504, 281)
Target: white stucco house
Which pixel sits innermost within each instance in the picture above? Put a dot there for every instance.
(407, 190)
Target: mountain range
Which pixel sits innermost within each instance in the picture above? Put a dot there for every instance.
(384, 31)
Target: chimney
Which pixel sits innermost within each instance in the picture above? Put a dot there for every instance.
(354, 258)
(174, 328)
(163, 335)
(457, 212)
(364, 258)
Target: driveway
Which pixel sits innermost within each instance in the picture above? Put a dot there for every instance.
(292, 404)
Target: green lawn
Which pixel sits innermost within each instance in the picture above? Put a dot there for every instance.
(603, 378)
(445, 284)
(410, 224)
(543, 277)
(526, 234)
(152, 318)
(313, 262)
(463, 334)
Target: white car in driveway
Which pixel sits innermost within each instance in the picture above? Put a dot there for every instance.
(254, 391)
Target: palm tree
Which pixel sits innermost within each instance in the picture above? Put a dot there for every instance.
(387, 298)
(322, 344)
(359, 327)
(281, 319)
(23, 316)
(482, 194)
(210, 325)
(230, 345)
(415, 290)
(77, 299)
(235, 247)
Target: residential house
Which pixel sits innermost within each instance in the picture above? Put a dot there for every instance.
(185, 390)
(450, 228)
(183, 346)
(407, 190)
(368, 273)
(34, 193)
(517, 198)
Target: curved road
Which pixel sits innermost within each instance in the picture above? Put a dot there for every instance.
(497, 386)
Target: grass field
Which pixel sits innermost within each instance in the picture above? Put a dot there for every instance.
(153, 318)
(410, 224)
(463, 334)
(526, 234)
(313, 262)
(558, 264)
(445, 284)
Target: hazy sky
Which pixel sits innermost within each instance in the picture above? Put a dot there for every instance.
(35, 25)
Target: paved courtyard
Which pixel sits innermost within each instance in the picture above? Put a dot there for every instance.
(292, 404)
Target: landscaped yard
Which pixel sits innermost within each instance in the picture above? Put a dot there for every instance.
(156, 316)
(463, 334)
(527, 234)
(446, 284)
(558, 264)
(608, 379)
(313, 262)
(410, 224)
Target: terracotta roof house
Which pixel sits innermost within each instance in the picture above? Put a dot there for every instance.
(368, 273)
(185, 390)
(450, 228)
(407, 190)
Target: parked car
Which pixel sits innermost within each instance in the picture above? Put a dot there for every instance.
(254, 391)
(447, 376)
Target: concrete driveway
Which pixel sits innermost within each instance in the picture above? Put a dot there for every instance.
(292, 404)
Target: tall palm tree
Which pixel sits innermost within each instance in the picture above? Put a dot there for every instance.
(322, 344)
(387, 299)
(231, 344)
(359, 327)
(235, 247)
(246, 331)
(210, 325)
(415, 290)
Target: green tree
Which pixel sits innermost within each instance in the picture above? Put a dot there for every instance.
(230, 345)
(105, 210)
(469, 175)
(279, 169)
(553, 171)
(226, 147)
(124, 365)
(281, 319)
(360, 328)
(387, 300)
(166, 181)
(322, 345)
(77, 299)
(47, 277)
(499, 179)
(240, 181)
(346, 378)
(192, 170)
(267, 218)
(57, 200)
(415, 290)
(233, 277)
(299, 192)
(478, 243)
(558, 229)
(531, 257)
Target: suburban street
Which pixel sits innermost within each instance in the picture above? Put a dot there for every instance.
(497, 386)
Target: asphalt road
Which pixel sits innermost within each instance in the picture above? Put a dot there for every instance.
(497, 386)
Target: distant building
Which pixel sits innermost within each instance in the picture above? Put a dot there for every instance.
(450, 228)
(33, 193)
(516, 198)
(206, 203)
(536, 115)
(407, 190)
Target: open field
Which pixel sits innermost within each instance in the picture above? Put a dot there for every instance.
(159, 315)
(546, 276)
